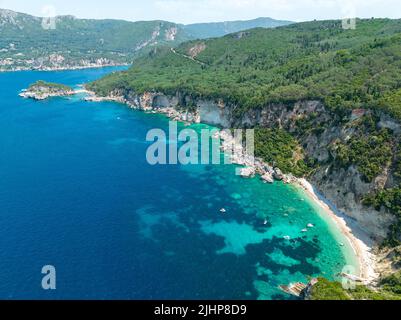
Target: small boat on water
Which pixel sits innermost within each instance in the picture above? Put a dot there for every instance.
(223, 210)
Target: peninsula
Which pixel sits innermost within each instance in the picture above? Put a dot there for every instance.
(82, 43)
(42, 90)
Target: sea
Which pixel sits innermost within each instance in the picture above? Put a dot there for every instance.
(78, 194)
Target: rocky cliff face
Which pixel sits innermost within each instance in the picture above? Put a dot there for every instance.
(345, 187)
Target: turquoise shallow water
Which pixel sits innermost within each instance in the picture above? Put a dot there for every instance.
(76, 192)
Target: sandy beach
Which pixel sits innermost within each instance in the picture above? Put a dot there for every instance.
(359, 241)
(357, 238)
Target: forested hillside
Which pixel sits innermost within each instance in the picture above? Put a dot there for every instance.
(70, 42)
(313, 60)
(25, 43)
(305, 79)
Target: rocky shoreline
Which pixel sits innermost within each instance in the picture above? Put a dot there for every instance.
(360, 241)
(45, 95)
(252, 166)
(42, 90)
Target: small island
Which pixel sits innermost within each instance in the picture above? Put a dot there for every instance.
(42, 90)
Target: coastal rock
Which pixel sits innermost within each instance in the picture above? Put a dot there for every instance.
(267, 177)
(247, 172)
(43, 90)
(278, 174)
(344, 188)
(289, 178)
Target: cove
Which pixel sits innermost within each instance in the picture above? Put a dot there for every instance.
(77, 193)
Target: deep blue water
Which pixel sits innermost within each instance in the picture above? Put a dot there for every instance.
(76, 192)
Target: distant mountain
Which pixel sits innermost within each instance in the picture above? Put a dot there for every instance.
(219, 29)
(25, 44)
(28, 42)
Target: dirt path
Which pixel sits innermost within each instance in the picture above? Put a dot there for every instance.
(188, 57)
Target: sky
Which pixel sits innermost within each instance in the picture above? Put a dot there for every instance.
(193, 11)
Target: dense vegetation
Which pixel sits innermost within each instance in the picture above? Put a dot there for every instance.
(280, 149)
(345, 69)
(332, 290)
(314, 60)
(25, 43)
(49, 85)
(392, 283)
(391, 200)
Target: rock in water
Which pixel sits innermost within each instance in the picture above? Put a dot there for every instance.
(278, 174)
(247, 172)
(267, 177)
